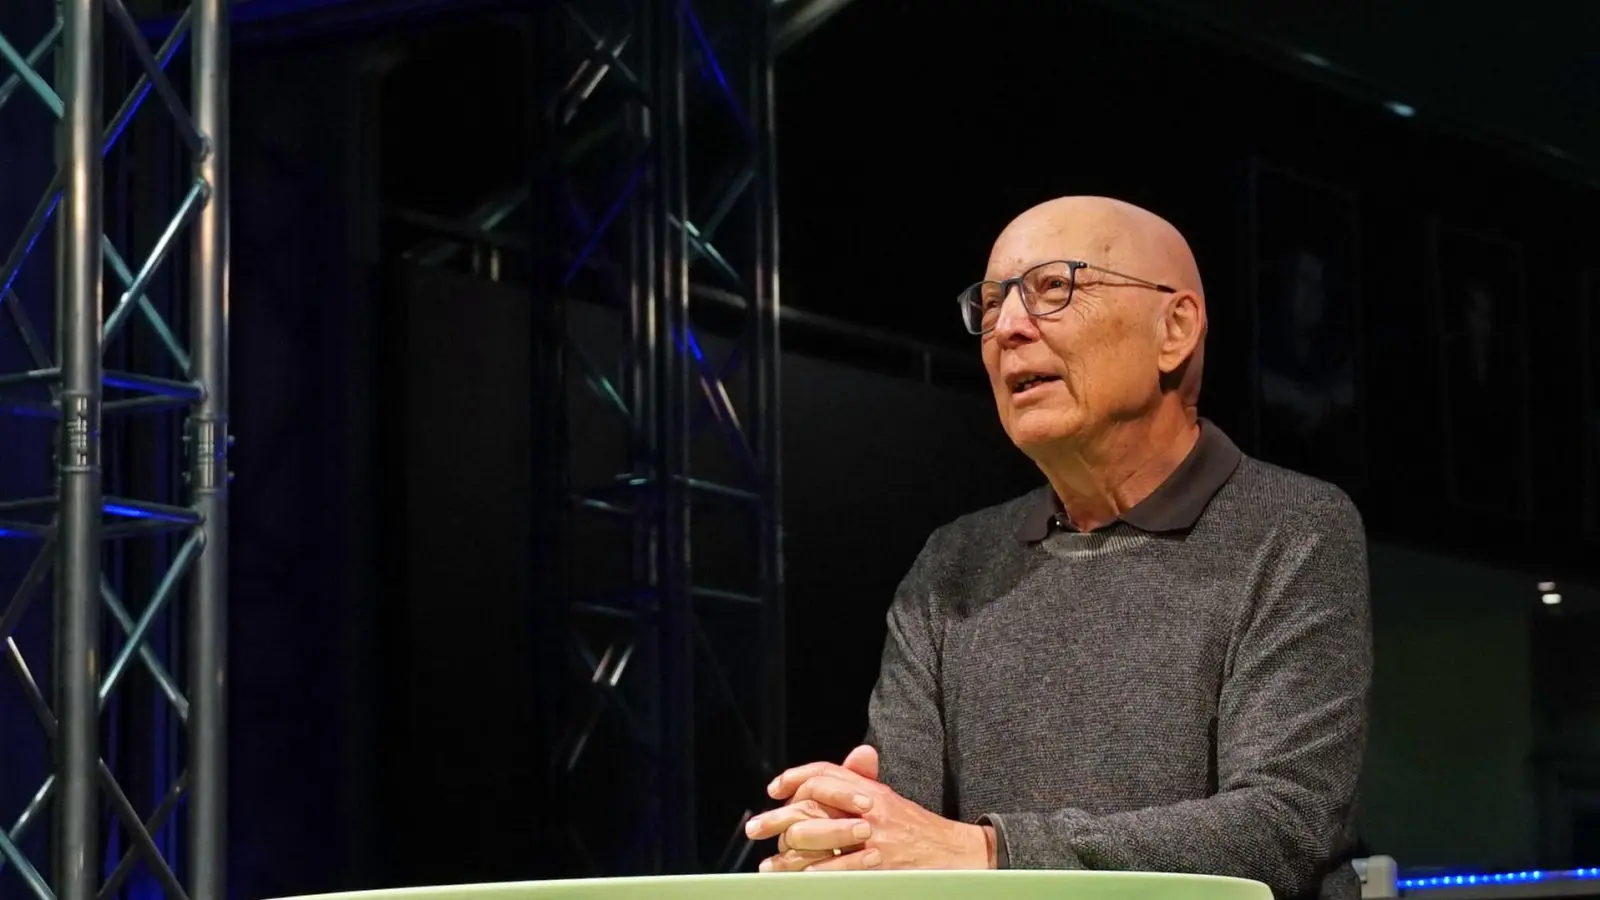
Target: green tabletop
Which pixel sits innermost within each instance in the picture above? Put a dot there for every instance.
(1007, 885)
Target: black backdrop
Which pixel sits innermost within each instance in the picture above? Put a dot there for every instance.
(304, 742)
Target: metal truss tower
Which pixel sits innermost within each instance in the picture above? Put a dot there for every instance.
(82, 529)
(654, 194)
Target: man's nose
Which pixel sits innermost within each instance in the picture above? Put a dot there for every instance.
(1014, 323)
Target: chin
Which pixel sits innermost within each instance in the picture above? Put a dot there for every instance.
(1037, 428)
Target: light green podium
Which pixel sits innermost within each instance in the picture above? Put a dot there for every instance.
(1006, 885)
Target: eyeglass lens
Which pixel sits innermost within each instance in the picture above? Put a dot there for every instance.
(1045, 289)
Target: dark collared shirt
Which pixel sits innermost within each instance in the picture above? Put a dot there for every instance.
(1181, 690)
(1174, 506)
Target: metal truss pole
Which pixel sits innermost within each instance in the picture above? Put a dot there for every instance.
(78, 460)
(208, 473)
(660, 582)
(67, 380)
(666, 119)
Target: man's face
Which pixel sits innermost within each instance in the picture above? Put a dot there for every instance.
(1098, 357)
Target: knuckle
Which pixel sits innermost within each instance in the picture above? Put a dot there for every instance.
(817, 787)
(805, 836)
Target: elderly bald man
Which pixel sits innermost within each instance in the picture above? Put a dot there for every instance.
(1159, 661)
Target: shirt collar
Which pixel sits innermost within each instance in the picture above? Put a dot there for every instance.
(1174, 506)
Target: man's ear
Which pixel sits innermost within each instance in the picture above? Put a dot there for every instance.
(1181, 327)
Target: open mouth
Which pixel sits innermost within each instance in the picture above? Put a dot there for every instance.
(1030, 382)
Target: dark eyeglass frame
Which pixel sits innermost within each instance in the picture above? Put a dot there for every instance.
(1021, 284)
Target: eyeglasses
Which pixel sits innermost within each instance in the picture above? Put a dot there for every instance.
(1046, 288)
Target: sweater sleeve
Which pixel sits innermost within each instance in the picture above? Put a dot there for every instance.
(905, 719)
(1291, 733)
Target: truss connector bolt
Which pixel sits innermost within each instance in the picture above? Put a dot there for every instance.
(209, 444)
(78, 413)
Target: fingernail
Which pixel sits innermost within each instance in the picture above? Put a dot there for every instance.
(773, 787)
(752, 826)
(766, 865)
(871, 858)
(863, 802)
(862, 831)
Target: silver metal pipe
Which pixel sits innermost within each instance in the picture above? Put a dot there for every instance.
(208, 475)
(77, 746)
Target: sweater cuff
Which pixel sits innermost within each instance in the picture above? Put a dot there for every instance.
(1002, 859)
(1033, 841)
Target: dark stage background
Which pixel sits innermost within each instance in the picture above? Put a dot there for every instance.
(381, 694)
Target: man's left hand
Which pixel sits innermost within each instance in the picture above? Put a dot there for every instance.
(831, 803)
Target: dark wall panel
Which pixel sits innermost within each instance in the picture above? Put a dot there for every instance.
(302, 752)
(458, 748)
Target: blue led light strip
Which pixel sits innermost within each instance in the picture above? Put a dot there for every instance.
(1465, 880)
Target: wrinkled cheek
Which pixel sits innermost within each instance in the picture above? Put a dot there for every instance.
(1078, 383)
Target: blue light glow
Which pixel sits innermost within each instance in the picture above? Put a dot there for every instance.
(694, 345)
(1488, 878)
(711, 65)
(599, 231)
(113, 509)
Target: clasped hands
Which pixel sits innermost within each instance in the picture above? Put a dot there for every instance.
(840, 817)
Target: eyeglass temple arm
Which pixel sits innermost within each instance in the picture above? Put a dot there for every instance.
(1165, 289)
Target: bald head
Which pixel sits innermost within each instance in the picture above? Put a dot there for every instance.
(1116, 235)
(1110, 233)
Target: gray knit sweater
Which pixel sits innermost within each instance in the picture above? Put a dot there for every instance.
(1187, 696)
